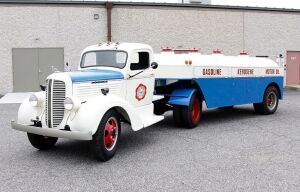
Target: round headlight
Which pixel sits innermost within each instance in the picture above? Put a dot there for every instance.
(33, 100)
(69, 104)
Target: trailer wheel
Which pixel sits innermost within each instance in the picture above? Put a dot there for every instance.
(270, 102)
(177, 115)
(105, 140)
(41, 142)
(191, 114)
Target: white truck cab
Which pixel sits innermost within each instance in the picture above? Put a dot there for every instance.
(116, 82)
(126, 66)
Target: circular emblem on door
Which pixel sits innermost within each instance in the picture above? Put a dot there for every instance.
(140, 92)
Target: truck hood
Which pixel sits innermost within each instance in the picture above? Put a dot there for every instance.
(94, 75)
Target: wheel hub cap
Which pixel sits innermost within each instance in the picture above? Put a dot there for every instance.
(196, 110)
(271, 100)
(110, 133)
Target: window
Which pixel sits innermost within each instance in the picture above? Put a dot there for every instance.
(140, 61)
(104, 59)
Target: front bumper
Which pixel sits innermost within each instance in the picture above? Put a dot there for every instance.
(52, 132)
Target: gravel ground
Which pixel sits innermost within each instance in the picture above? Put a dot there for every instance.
(234, 150)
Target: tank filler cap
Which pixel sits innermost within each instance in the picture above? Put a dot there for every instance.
(217, 51)
(166, 49)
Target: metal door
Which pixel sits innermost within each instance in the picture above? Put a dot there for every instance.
(293, 68)
(50, 60)
(31, 66)
(140, 87)
(25, 70)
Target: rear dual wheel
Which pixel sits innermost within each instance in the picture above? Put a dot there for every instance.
(188, 116)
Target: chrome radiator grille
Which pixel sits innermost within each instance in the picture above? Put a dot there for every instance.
(55, 96)
(48, 111)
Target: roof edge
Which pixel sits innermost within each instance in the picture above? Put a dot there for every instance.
(55, 2)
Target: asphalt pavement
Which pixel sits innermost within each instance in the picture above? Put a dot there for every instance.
(235, 150)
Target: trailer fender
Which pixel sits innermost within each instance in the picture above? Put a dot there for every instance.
(90, 113)
(181, 96)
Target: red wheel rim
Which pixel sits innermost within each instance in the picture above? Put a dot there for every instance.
(110, 133)
(196, 110)
(271, 100)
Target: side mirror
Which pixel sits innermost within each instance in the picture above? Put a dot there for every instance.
(154, 65)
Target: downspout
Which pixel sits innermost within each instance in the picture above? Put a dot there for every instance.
(109, 6)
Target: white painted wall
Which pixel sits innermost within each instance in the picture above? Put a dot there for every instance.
(258, 32)
(206, 29)
(73, 28)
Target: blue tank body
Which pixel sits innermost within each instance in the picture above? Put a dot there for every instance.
(220, 92)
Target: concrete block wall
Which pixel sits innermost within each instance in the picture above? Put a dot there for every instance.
(207, 29)
(73, 28)
(31, 26)
(258, 32)
(272, 33)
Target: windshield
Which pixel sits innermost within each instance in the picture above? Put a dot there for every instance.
(115, 59)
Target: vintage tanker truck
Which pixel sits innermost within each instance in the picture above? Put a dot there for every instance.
(127, 82)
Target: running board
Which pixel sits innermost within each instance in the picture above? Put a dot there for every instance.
(152, 120)
(145, 113)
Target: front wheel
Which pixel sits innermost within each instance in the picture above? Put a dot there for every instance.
(105, 140)
(270, 102)
(41, 142)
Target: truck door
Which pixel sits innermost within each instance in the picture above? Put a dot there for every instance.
(140, 81)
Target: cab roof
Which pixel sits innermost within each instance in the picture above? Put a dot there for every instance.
(128, 47)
